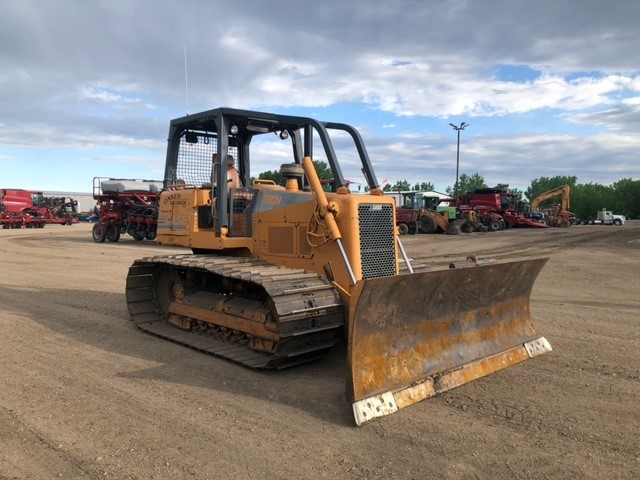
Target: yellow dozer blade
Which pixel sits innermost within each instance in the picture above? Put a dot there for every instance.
(416, 335)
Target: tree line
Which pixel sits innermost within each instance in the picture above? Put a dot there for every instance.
(623, 197)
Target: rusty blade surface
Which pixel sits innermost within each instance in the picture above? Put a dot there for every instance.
(408, 329)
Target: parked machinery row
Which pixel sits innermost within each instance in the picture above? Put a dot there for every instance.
(487, 209)
(498, 208)
(30, 209)
(125, 206)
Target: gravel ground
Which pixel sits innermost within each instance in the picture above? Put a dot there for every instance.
(83, 394)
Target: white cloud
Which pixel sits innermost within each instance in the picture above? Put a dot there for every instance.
(91, 94)
(89, 75)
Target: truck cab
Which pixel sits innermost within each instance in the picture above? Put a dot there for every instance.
(607, 217)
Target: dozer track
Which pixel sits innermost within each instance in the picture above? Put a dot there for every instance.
(246, 310)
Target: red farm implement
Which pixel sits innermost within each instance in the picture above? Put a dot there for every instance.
(125, 206)
(29, 209)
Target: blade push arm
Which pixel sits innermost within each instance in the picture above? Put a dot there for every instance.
(326, 212)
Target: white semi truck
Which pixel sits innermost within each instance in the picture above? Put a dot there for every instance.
(605, 217)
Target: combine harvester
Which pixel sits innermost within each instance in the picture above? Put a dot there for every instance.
(498, 206)
(126, 206)
(30, 209)
(279, 275)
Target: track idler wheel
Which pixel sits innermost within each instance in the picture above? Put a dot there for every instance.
(169, 288)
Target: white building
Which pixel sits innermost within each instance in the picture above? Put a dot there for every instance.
(85, 200)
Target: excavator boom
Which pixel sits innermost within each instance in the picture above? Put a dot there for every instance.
(564, 191)
(558, 215)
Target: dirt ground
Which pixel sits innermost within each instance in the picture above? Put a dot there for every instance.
(84, 394)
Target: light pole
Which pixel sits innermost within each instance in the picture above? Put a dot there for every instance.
(457, 129)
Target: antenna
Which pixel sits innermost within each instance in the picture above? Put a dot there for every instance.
(186, 78)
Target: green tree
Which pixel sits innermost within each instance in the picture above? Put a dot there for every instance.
(587, 199)
(627, 198)
(399, 186)
(274, 175)
(423, 187)
(544, 184)
(322, 169)
(467, 183)
(515, 191)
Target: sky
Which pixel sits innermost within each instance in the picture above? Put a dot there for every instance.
(548, 87)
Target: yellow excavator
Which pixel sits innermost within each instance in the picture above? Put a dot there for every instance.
(556, 215)
(280, 274)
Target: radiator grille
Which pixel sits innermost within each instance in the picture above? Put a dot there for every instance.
(240, 212)
(377, 240)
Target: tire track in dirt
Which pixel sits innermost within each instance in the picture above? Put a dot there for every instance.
(525, 246)
(35, 449)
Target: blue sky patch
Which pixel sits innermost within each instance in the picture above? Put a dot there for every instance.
(516, 73)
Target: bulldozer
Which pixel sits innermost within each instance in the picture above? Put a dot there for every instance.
(279, 274)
